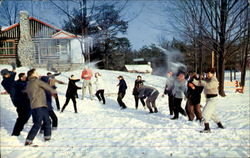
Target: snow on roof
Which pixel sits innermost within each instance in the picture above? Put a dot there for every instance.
(139, 68)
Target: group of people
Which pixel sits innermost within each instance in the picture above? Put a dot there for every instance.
(32, 95)
(177, 87)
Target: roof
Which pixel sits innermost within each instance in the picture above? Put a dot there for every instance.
(139, 68)
(30, 18)
(63, 35)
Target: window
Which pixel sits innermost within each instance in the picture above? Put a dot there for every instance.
(64, 47)
(7, 48)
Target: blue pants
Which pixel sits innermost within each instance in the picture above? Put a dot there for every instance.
(40, 115)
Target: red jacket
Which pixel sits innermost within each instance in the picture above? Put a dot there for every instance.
(86, 74)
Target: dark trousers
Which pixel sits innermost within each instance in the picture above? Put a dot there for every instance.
(137, 101)
(40, 115)
(193, 110)
(177, 107)
(119, 99)
(67, 102)
(23, 117)
(100, 95)
(57, 102)
(170, 103)
(53, 118)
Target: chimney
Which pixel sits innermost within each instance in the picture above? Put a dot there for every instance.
(26, 47)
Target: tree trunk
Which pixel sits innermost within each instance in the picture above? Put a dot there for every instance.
(222, 37)
(231, 75)
(221, 75)
(243, 69)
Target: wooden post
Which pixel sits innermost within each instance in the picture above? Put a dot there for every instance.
(212, 59)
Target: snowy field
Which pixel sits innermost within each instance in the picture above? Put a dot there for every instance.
(105, 131)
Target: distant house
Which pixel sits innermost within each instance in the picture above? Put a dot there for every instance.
(139, 68)
(51, 45)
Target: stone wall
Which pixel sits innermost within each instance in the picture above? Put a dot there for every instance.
(26, 47)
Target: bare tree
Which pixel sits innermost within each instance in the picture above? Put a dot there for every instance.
(218, 23)
(9, 12)
(245, 50)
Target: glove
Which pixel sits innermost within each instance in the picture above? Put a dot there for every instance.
(13, 65)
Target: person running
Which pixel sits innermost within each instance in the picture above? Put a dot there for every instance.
(99, 87)
(178, 93)
(151, 94)
(138, 81)
(168, 91)
(121, 92)
(35, 90)
(71, 92)
(210, 84)
(86, 76)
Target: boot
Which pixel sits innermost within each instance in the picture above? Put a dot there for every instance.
(151, 111)
(156, 110)
(207, 129)
(220, 125)
(27, 143)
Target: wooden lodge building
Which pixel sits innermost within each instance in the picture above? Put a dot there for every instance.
(51, 45)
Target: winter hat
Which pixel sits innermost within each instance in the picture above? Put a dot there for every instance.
(4, 72)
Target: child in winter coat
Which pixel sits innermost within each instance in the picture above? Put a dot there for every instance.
(71, 92)
(211, 92)
(99, 87)
(138, 81)
(178, 93)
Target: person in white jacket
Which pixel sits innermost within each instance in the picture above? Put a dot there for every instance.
(99, 87)
(211, 92)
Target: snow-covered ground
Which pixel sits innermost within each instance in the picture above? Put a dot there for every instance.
(99, 130)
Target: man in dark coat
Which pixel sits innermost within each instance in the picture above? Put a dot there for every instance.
(151, 94)
(138, 81)
(122, 91)
(18, 97)
(71, 92)
(9, 82)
